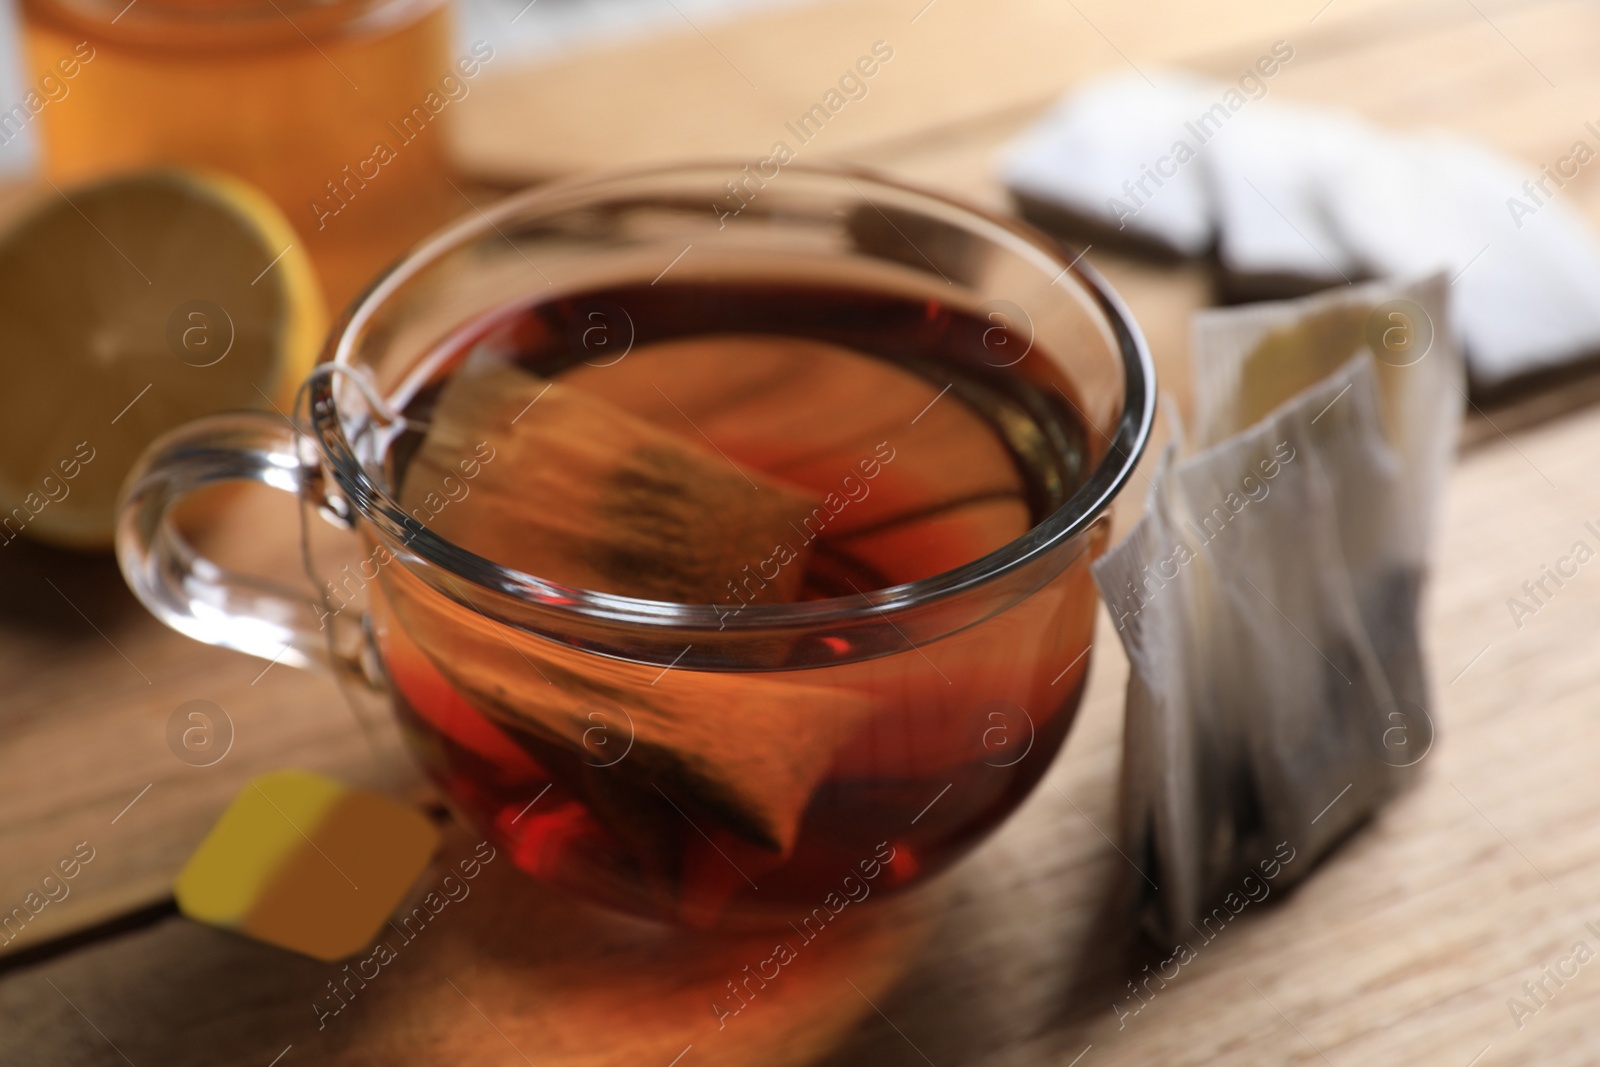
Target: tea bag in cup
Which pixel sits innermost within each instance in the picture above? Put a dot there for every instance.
(892, 446)
(582, 493)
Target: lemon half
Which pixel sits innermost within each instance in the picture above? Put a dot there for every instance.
(130, 307)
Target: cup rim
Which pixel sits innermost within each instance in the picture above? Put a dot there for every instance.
(1086, 505)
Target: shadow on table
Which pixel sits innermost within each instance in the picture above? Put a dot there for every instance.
(55, 590)
(991, 981)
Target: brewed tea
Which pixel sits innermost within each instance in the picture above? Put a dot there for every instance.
(851, 443)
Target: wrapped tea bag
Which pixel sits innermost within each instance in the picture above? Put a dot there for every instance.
(578, 491)
(1249, 360)
(1295, 198)
(1268, 598)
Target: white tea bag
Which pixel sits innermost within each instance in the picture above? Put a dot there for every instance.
(1249, 360)
(1267, 600)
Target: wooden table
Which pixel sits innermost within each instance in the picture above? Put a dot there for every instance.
(1404, 948)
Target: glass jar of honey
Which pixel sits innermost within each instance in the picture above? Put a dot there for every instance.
(334, 108)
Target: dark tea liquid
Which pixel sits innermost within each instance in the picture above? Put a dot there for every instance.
(929, 437)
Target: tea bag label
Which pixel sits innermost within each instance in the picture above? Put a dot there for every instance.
(306, 863)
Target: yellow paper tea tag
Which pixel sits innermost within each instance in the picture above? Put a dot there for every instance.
(306, 863)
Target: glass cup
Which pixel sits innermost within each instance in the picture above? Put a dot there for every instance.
(668, 759)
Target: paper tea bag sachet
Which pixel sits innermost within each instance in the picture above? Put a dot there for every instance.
(1250, 359)
(1258, 708)
(582, 493)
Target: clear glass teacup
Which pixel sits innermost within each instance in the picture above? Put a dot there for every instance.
(744, 761)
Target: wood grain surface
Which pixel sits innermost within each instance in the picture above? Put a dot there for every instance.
(1404, 948)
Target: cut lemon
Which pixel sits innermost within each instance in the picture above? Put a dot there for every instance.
(128, 308)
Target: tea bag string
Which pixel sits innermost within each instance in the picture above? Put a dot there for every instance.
(379, 404)
(385, 759)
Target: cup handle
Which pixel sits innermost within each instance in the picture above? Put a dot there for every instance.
(185, 590)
